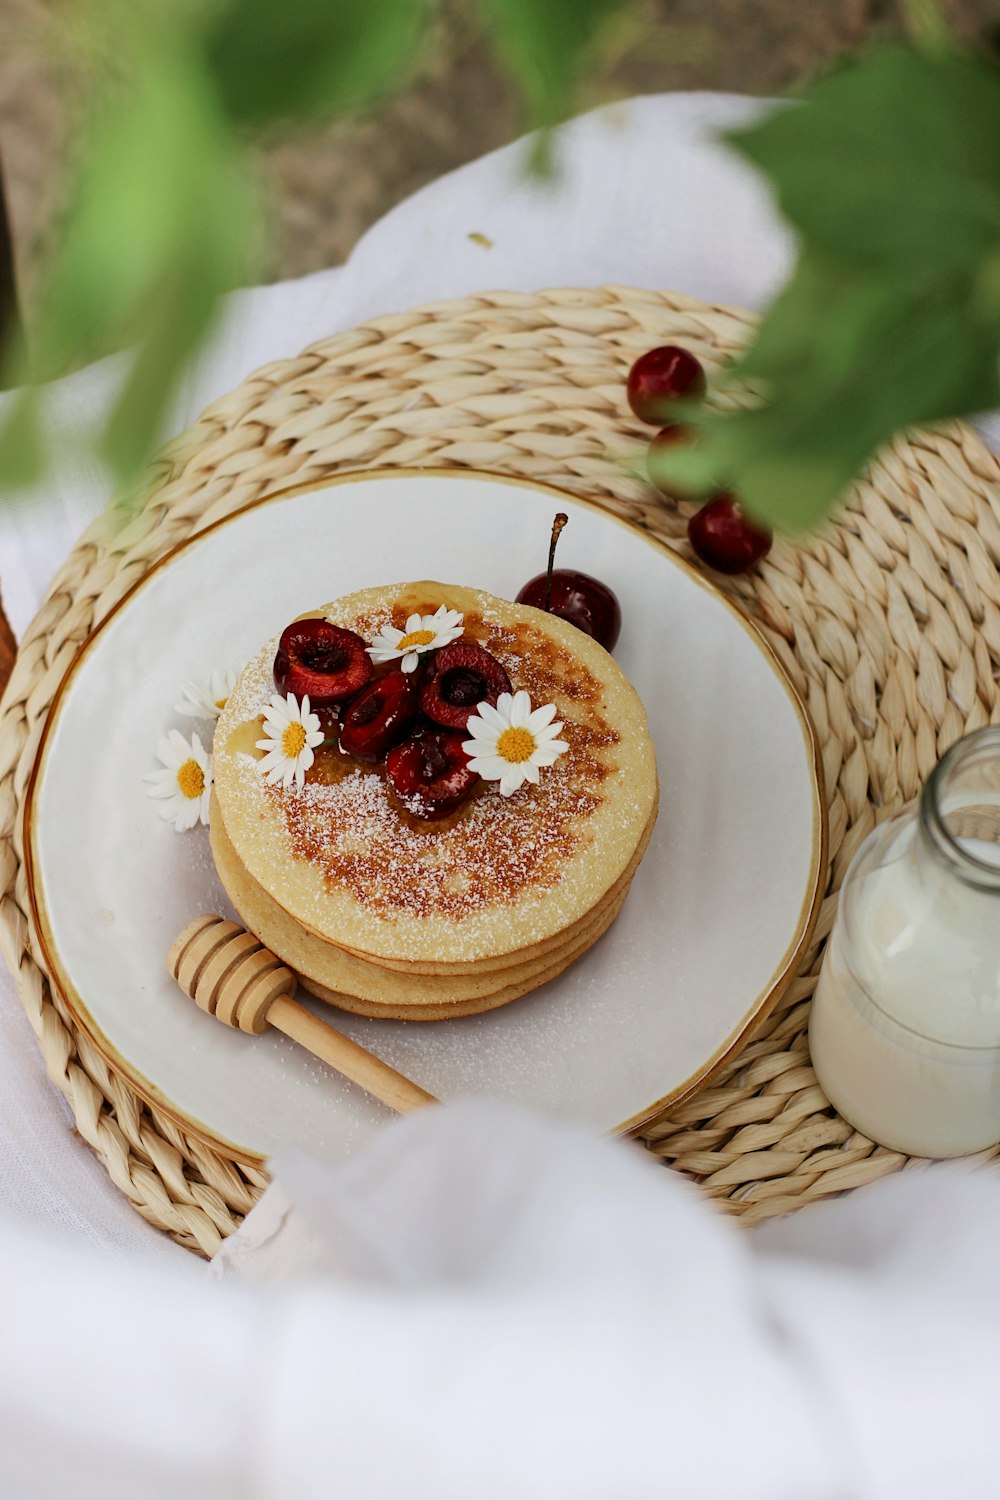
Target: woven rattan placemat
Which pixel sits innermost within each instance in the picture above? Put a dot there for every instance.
(890, 626)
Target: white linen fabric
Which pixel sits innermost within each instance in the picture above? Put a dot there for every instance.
(486, 1303)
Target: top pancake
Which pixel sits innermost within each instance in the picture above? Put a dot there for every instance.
(501, 875)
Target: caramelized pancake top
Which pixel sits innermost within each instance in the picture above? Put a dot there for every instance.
(494, 876)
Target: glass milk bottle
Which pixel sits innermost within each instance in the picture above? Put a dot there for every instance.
(905, 1024)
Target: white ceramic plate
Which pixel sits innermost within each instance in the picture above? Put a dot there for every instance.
(720, 909)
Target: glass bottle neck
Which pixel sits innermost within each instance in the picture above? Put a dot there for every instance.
(959, 814)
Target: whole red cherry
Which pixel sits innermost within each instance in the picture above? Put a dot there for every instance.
(660, 378)
(584, 601)
(321, 661)
(725, 538)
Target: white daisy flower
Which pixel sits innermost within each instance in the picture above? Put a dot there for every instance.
(185, 784)
(206, 700)
(422, 633)
(512, 741)
(293, 734)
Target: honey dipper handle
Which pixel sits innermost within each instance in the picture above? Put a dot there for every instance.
(230, 975)
(347, 1057)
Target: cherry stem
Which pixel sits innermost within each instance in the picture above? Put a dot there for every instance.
(557, 526)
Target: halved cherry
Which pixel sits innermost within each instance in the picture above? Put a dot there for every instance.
(461, 676)
(321, 660)
(429, 774)
(374, 720)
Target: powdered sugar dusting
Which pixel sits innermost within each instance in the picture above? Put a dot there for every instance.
(253, 691)
(495, 851)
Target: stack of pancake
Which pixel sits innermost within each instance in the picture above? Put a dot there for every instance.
(387, 915)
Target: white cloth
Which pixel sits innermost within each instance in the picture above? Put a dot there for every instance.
(485, 1304)
(489, 1305)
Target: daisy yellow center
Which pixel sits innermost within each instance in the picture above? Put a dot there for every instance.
(293, 740)
(220, 703)
(415, 638)
(191, 779)
(516, 745)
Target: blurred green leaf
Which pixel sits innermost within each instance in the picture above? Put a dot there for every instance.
(894, 160)
(22, 456)
(162, 221)
(892, 361)
(927, 25)
(890, 173)
(311, 57)
(545, 43)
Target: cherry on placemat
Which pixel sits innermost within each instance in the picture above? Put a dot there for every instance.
(661, 377)
(724, 537)
(429, 774)
(584, 601)
(318, 660)
(669, 438)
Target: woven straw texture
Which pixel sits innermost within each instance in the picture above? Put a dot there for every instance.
(889, 625)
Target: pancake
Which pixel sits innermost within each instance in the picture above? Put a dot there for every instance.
(501, 884)
(371, 989)
(509, 962)
(517, 957)
(430, 1011)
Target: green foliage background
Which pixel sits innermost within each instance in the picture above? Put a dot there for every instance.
(888, 171)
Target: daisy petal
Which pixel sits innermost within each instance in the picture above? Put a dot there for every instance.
(166, 779)
(540, 717)
(547, 755)
(489, 767)
(520, 711)
(488, 716)
(189, 816)
(179, 745)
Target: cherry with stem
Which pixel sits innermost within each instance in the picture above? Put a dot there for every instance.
(584, 601)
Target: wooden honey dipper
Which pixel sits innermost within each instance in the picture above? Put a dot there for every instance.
(229, 974)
